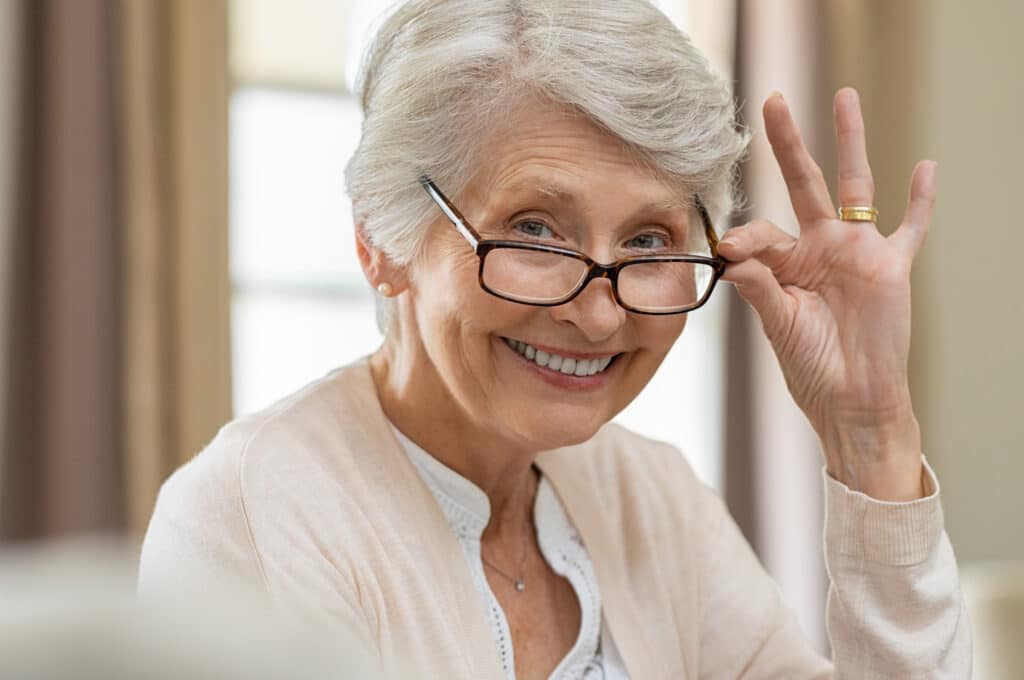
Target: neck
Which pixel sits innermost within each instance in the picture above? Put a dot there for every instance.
(498, 467)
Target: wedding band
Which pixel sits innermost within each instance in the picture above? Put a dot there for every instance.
(858, 213)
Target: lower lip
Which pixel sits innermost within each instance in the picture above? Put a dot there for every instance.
(582, 383)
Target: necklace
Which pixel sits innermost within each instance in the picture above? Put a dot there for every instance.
(518, 583)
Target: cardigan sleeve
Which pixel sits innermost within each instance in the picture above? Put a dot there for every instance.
(894, 602)
(894, 605)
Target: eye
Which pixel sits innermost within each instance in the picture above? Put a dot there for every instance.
(534, 229)
(648, 242)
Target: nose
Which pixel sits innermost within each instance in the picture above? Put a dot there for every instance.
(594, 311)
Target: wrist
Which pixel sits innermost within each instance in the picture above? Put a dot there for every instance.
(881, 459)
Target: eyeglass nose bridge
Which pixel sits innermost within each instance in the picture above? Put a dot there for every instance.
(600, 271)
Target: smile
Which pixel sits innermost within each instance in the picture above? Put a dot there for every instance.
(559, 364)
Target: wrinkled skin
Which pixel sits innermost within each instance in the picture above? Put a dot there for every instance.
(835, 304)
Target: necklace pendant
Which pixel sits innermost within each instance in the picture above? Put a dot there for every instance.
(520, 586)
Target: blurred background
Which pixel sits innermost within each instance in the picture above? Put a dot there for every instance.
(176, 249)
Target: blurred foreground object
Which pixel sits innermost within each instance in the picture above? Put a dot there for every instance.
(70, 610)
(995, 599)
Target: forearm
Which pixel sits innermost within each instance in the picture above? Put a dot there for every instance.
(894, 604)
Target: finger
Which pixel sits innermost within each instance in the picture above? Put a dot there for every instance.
(856, 186)
(758, 286)
(807, 189)
(759, 239)
(912, 232)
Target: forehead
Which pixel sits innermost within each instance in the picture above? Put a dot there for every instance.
(551, 152)
(540, 183)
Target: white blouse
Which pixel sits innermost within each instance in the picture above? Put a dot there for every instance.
(466, 507)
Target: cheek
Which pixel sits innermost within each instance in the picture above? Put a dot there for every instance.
(656, 336)
(454, 311)
(444, 279)
(658, 333)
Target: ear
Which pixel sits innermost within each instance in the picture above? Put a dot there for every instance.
(377, 267)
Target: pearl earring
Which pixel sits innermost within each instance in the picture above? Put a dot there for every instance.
(385, 289)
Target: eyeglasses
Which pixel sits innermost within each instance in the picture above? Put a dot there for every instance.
(546, 276)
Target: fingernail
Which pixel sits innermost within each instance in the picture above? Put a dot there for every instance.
(727, 242)
(776, 93)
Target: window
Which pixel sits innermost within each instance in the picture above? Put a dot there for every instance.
(300, 305)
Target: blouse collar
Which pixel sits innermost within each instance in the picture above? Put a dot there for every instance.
(465, 505)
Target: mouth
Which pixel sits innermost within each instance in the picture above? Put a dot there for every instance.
(565, 370)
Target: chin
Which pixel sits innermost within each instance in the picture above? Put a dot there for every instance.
(554, 433)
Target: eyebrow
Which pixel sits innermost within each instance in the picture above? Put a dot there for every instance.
(545, 189)
(553, 190)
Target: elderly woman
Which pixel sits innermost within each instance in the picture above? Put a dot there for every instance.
(536, 192)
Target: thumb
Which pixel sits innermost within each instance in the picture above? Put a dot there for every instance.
(758, 286)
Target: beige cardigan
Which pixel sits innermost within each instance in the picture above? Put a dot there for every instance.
(314, 502)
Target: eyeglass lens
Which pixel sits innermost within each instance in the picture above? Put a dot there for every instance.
(539, 277)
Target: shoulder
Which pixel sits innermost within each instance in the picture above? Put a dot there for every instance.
(223, 506)
(266, 443)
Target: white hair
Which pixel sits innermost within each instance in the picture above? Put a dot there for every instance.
(441, 75)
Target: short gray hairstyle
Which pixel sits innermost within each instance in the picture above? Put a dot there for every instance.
(440, 75)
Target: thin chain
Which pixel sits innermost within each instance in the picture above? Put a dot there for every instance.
(518, 583)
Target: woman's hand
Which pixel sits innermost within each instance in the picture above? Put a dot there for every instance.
(835, 304)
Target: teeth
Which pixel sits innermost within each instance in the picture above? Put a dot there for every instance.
(567, 366)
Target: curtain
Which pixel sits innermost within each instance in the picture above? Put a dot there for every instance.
(174, 108)
(115, 357)
(10, 54)
(61, 448)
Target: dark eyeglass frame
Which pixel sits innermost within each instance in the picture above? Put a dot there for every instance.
(595, 270)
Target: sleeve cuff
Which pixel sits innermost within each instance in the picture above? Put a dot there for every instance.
(886, 532)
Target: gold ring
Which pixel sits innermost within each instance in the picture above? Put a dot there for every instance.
(858, 213)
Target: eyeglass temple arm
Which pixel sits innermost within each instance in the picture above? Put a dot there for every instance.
(709, 228)
(451, 212)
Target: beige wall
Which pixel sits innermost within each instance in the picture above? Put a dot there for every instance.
(939, 79)
(969, 364)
